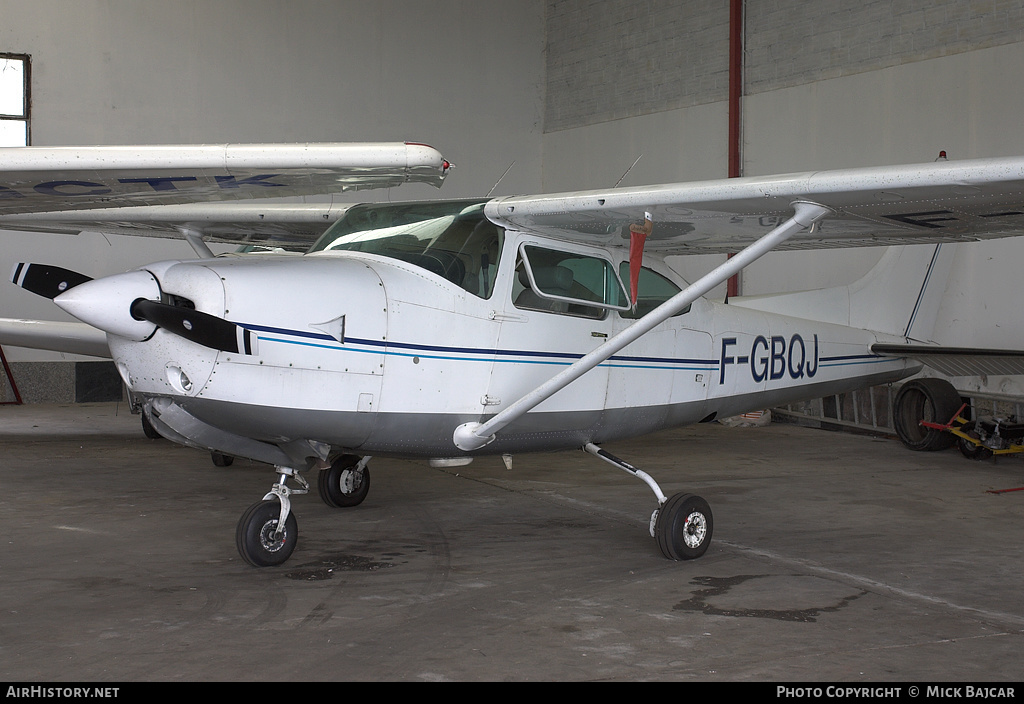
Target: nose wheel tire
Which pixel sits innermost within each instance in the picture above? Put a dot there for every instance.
(257, 539)
(684, 527)
(344, 484)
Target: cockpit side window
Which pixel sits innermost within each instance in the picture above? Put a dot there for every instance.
(565, 283)
(653, 289)
(452, 240)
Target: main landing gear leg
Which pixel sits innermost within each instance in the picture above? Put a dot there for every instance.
(267, 532)
(682, 524)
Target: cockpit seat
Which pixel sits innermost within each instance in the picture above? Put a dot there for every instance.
(555, 280)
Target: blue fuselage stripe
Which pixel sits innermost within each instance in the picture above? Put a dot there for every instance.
(478, 354)
(472, 354)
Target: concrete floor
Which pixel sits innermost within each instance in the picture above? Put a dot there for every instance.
(835, 558)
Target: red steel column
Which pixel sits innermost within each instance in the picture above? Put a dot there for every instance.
(735, 95)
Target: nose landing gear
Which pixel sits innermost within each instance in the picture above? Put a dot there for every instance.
(259, 541)
(268, 532)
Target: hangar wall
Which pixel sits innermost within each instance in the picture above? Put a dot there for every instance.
(829, 84)
(463, 75)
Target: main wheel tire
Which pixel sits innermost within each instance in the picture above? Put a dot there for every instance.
(342, 485)
(684, 527)
(256, 539)
(932, 400)
(220, 459)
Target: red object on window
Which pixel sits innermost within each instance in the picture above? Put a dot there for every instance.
(637, 239)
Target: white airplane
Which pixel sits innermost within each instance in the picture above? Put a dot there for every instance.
(446, 330)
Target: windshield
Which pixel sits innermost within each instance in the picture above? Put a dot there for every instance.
(452, 239)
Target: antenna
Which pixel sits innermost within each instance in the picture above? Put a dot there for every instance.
(627, 171)
(499, 179)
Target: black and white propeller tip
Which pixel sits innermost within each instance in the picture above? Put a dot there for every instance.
(46, 280)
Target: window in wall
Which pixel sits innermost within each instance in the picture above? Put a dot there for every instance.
(14, 100)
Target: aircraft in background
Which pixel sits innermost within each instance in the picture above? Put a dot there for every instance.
(445, 330)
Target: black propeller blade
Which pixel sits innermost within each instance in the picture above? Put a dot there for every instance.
(201, 328)
(46, 280)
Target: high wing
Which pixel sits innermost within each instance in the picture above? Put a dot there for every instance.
(40, 179)
(926, 203)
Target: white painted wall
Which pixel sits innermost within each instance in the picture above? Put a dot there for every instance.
(463, 75)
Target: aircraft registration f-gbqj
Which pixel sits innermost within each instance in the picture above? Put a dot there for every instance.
(445, 330)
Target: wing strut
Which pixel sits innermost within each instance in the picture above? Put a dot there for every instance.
(194, 237)
(473, 436)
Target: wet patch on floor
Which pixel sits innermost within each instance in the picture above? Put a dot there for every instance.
(780, 597)
(325, 568)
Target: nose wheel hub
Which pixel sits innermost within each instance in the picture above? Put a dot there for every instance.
(268, 532)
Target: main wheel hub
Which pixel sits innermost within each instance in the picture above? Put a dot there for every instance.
(695, 529)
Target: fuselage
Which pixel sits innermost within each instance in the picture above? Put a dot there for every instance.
(386, 342)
